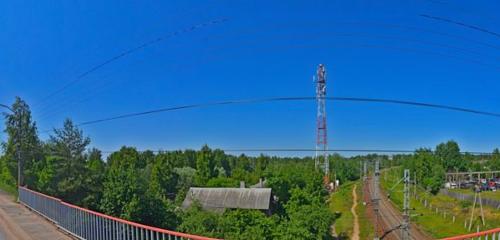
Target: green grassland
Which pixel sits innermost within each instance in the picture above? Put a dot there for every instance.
(341, 203)
(435, 223)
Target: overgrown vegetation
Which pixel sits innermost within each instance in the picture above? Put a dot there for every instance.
(434, 223)
(341, 203)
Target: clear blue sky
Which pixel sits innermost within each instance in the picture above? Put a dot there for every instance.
(266, 49)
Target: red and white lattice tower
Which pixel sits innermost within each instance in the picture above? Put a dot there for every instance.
(321, 159)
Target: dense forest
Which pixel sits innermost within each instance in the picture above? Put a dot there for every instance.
(149, 186)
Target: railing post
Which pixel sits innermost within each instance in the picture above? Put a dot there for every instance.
(89, 225)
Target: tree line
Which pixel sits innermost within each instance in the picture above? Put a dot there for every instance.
(430, 166)
(149, 186)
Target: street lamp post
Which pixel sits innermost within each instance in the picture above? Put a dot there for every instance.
(18, 150)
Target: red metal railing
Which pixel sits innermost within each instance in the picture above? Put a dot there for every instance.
(88, 224)
(493, 234)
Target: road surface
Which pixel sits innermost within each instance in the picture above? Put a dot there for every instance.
(19, 223)
(389, 217)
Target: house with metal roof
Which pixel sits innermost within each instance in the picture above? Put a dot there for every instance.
(218, 199)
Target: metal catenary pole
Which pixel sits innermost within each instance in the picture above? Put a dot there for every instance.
(375, 195)
(406, 206)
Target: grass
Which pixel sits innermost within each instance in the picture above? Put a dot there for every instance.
(9, 189)
(435, 223)
(341, 203)
(485, 194)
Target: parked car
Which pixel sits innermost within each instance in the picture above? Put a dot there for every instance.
(492, 186)
(484, 185)
(467, 184)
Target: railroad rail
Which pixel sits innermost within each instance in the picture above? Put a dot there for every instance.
(87, 224)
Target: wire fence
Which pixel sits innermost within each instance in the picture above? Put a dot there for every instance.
(470, 197)
(86, 224)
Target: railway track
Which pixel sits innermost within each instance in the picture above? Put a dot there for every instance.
(390, 217)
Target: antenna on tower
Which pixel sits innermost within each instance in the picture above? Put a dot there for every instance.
(321, 158)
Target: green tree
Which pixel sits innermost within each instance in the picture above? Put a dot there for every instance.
(163, 177)
(197, 221)
(128, 194)
(428, 168)
(93, 182)
(261, 163)
(22, 143)
(5, 175)
(47, 174)
(307, 217)
(494, 162)
(222, 182)
(204, 166)
(185, 180)
(123, 183)
(222, 163)
(152, 210)
(247, 224)
(449, 155)
(68, 146)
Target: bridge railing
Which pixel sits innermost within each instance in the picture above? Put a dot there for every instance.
(493, 234)
(86, 224)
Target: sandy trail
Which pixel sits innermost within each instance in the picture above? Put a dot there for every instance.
(355, 229)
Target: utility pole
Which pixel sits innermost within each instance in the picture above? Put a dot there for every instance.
(477, 194)
(375, 195)
(321, 137)
(405, 226)
(361, 177)
(415, 184)
(365, 170)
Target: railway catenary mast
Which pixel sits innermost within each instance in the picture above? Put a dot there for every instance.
(321, 159)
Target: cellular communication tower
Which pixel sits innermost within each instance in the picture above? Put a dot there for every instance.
(321, 160)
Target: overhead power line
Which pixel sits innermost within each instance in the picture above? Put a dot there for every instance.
(335, 150)
(473, 27)
(285, 99)
(55, 109)
(353, 150)
(130, 51)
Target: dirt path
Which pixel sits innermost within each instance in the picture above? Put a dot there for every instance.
(355, 229)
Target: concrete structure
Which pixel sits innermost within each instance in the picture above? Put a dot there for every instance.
(17, 222)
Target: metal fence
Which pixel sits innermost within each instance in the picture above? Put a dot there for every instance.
(86, 224)
(470, 197)
(493, 234)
